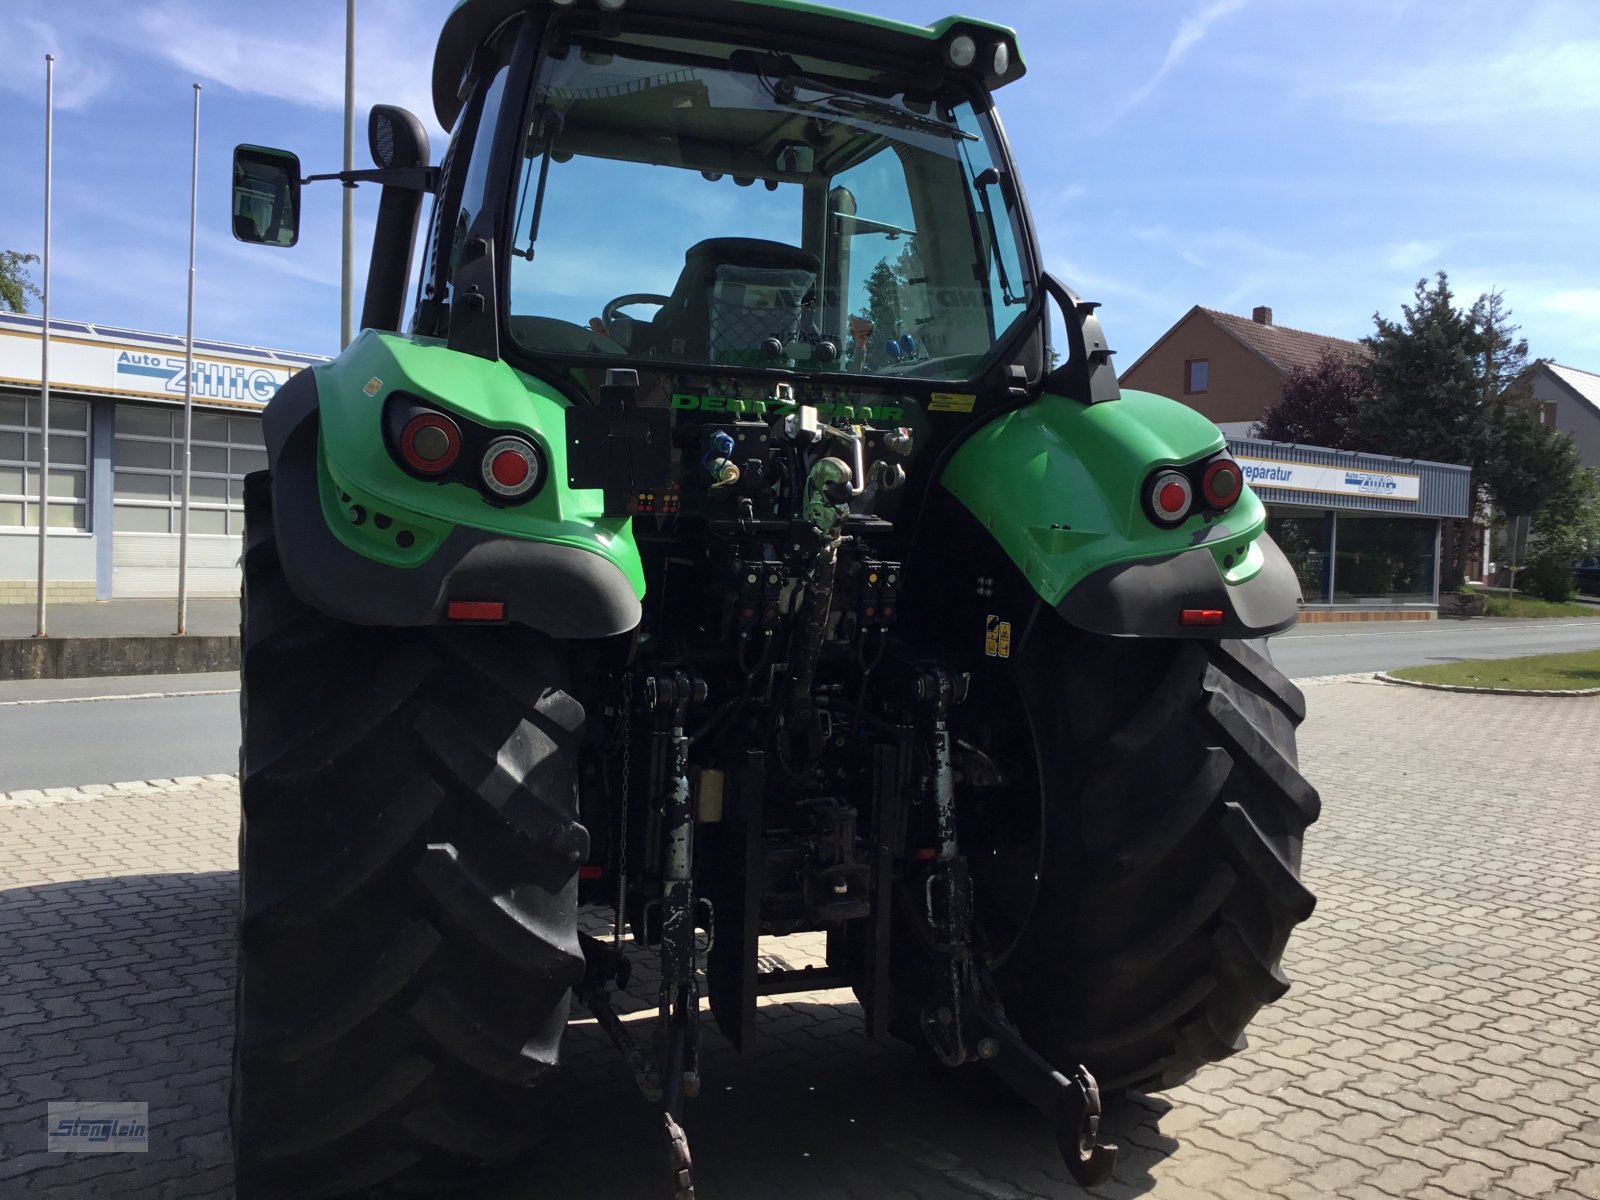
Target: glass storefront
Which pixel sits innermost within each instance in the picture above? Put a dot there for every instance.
(1384, 560)
(1348, 558)
(1304, 542)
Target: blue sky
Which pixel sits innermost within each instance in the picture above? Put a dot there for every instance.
(1317, 156)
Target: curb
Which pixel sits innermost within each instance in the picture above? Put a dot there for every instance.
(89, 657)
(43, 797)
(1385, 677)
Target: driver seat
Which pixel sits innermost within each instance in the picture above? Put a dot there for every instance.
(734, 296)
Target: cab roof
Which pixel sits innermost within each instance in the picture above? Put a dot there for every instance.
(471, 21)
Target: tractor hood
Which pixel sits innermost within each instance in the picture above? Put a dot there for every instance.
(474, 20)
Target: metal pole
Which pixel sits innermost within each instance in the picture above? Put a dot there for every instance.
(188, 379)
(44, 342)
(347, 276)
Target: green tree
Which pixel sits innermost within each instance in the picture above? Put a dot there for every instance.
(1566, 528)
(1317, 406)
(15, 284)
(883, 301)
(1448, 384)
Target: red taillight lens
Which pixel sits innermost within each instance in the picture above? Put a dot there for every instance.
(430, 443)
(1222, 484)
(511, 467)
(1170, 497)
(1201, 616)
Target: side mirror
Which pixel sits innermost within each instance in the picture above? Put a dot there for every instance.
(266, 196)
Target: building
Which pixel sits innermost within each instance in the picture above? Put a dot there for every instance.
(1228, 367)
(1569, 400)
(116, 458)
(1362, 531)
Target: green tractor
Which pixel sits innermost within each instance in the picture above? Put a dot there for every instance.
(718, 540)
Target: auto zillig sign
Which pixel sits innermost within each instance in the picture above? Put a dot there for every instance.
(79, 363)
(1337, 481)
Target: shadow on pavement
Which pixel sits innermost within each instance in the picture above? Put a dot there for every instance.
(121, 989)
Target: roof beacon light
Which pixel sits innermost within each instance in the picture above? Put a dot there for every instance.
(1002, 59)
(962, 51)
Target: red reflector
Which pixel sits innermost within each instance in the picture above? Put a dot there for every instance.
(477, 610)
(924, 855)
(1172, 498)
(588, 872)
(1202, 616)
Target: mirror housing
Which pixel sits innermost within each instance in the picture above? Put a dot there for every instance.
(398, 140)
(266, 196)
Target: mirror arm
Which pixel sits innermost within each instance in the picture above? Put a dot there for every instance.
(411, 179)
(1087, 375)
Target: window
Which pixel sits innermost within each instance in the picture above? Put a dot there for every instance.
(677, 202)
(1196, 375)
(147, 458)
(19, 463)
(1305, 542)
(1387, 560)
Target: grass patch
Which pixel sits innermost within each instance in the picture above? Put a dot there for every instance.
(1542, 672)
(1502, 605)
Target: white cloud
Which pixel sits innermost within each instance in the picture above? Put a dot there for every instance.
(1540, 79)
(231, 49)
(1577, 302)
(81, 75)
(1190, 33)
(1413, 255)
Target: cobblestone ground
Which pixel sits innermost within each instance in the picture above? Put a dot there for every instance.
(1442, 1038)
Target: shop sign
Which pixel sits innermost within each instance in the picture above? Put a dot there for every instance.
(1336, 481)
(80, 364)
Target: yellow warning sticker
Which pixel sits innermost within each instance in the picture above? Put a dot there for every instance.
(374, 385)
(997, 637)
(956, 402)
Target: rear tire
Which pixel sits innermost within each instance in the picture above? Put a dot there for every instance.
(1167, 811)
(407, 935)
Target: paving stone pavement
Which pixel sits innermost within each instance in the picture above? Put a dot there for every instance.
(1442, 1038)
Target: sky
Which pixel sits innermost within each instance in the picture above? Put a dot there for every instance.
(1314, 156)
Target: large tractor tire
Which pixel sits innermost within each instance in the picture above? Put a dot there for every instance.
(1135, 845)
(408, 856)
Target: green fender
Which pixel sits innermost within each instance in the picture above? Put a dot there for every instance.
(1058, 484)
(364, 541)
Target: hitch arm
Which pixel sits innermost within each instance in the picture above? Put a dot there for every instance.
(1071, 1105)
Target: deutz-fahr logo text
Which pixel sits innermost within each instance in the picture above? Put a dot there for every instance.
(837, 414)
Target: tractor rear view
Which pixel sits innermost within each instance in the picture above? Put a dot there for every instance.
(715, 537)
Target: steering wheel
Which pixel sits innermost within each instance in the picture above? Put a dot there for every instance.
(613, 308)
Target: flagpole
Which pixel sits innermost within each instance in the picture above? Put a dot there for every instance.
(347, 258)
(188, 379)
(44, 341)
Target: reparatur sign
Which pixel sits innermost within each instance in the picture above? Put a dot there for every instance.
(1337, 481)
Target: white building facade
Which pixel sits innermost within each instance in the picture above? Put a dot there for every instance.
(115, 478)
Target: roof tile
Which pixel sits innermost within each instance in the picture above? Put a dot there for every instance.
(1283, 347)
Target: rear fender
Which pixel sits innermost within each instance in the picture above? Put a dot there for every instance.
(1058, 485)
(362, 541)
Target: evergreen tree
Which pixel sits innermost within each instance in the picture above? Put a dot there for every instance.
(15, 285)
(883, 301)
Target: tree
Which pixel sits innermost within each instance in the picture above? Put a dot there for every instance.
(1567, 528)
(15, 285)
(1318, 404)
(883, 301)
(1448, 384)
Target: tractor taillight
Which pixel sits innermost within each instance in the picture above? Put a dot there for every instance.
(430, 443)
(476, 610)
(1222, 483)
(1169, 497)
(511, 468)
(1201, 616)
